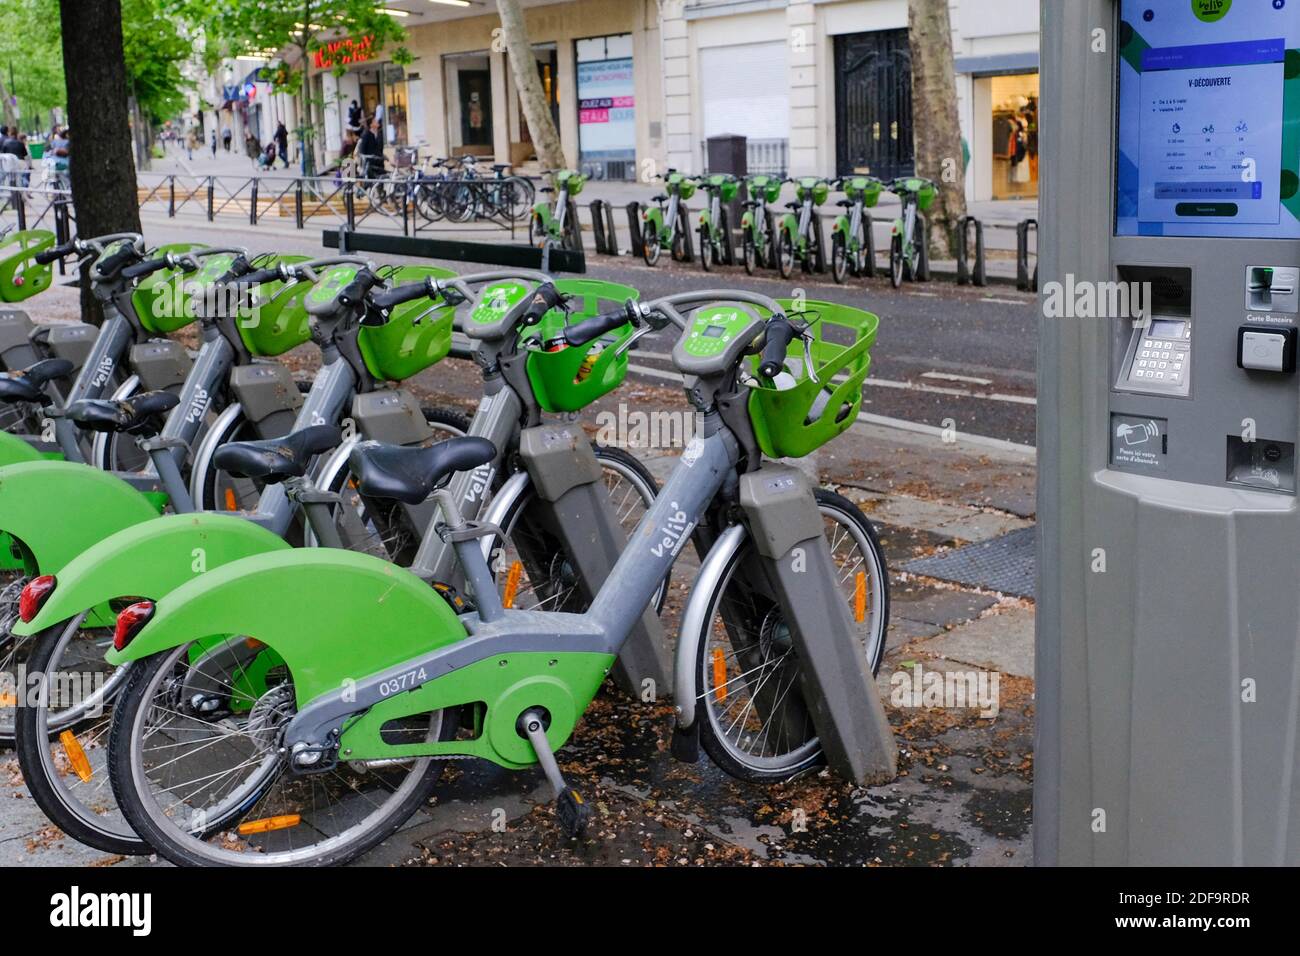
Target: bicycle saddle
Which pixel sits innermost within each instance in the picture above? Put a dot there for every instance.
(410, 475)
(662, 197)
(132, 415)
(846, 203)
(276, 459)
(792, 205)
(26, 385)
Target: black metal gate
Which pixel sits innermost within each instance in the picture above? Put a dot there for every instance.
(873, 97)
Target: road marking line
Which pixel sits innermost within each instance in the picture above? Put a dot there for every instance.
(949, 377)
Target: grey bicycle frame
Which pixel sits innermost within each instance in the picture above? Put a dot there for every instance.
(793, 556)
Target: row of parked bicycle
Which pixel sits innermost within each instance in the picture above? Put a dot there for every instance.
(246, 622)
(768, 238)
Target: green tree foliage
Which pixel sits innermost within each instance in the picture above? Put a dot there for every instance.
(154, 47)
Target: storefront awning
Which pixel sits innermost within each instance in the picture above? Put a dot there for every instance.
(1000, 64)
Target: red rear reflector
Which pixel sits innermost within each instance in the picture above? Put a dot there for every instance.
(34, 596)
(129, 623)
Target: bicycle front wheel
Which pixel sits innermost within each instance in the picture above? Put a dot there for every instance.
(753, 719)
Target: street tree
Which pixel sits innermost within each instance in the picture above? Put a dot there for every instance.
(103, 179)
(537, 109)
(269, 28)
(939, 154)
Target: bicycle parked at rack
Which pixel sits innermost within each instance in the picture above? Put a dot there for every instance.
(716, 244)
(799, 233)
(850, 246)
(908, 256)
(665, 225)
(334, 749)
(756, 224)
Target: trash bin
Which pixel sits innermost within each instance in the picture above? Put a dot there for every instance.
(730, 154)
(36, 150)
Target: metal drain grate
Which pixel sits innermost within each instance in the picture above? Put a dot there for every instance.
(1003, 564)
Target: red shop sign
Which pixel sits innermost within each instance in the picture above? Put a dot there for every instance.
(345, 51)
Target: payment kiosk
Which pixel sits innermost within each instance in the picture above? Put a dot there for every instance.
(1168, 644)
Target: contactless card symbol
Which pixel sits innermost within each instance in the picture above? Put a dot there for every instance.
(1137, 434)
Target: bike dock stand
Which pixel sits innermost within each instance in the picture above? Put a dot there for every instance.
(838, 687)
(569, 480)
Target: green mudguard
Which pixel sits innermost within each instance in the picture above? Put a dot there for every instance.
(14, 450)
(149, 560)
(55, 510)
(654, 218)
(332, 615)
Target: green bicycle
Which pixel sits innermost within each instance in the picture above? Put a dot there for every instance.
(799, 237)
(558, 227)
(849, 234)
(908, 257)
(755, 224)
(716, 244)
(664, 226)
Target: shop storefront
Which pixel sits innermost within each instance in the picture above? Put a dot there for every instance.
(468, 85)
(1014, 105)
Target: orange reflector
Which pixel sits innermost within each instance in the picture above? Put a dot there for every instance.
(512, 583)
(8, 700)
(231, 503)
(719, 675)
(253, 644)
(76, 756)
(267, 824)
(860, 597)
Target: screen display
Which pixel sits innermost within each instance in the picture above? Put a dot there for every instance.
(1165, 329)
(1209, 120)
(714, 331)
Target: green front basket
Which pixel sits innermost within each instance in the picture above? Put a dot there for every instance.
(280, 321)
(416, 335)
(20, 276)
(159, 298)
(792, 420)
(570, 379)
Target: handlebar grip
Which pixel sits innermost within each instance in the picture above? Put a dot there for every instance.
(258, 276)
(239, 268)
(54, 253)
(780, 333)
(580, 333)
(403, 293)
(355, 291)
(545, 298)
(144, 268)
(109, 266)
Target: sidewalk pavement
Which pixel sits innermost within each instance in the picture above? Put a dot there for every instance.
(963, 796)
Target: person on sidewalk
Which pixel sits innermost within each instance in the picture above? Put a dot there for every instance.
(227, 135)
(370, 153)
(354, 117)
(214, 144)
(281, 137)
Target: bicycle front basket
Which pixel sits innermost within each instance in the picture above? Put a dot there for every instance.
(20, 276)
(159, 300)
(279, 321)
(795, 415)
(925, 194)
(570, 379)
(416, 335)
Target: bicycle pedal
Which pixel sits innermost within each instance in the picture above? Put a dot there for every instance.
(458, 602)
(574, 813)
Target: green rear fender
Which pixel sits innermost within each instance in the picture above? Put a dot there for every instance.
(150, 560)
(791, 225)
(58, 509)
(332, 615)
(14, 450)
(841, 225)
(654, 217)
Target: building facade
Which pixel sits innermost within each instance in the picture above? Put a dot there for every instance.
(637, 86)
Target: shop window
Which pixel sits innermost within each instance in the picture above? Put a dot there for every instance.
(1015, 136)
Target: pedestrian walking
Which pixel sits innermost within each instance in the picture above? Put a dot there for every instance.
(214, 144)
(281, 137)
(226, 136)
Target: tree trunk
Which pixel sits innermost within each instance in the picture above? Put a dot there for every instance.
(9, 118)
(100, 164)
(306, 128)
(537, 111)
(934, 117)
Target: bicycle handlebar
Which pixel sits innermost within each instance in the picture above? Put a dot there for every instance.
(404, 293)
(148, 267)
(55, 253)
(780, 333)
(580, 333)
(110, 265)
(355, 291)
(545, 298)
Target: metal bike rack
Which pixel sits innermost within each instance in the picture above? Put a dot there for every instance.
(966, 274)
(1024, 281)
(634, 228)
(603, 233)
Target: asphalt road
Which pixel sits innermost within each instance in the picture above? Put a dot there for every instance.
(945, 356)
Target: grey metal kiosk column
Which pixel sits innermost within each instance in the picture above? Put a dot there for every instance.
(1168, 654)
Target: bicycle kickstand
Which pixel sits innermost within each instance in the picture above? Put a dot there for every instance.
(573, 811)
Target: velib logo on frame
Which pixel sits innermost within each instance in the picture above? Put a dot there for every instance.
(75, 909)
